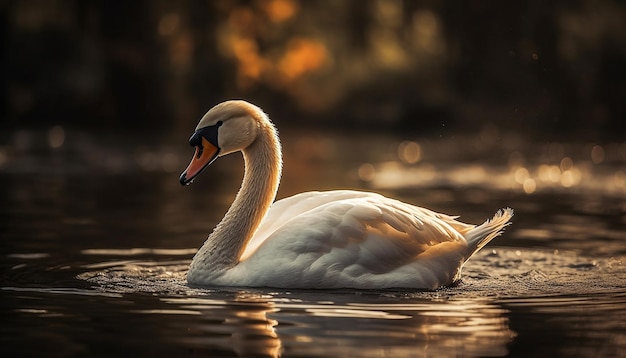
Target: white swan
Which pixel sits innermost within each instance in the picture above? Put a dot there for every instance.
(333, 239)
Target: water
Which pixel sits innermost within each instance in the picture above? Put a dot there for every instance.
(97, 235)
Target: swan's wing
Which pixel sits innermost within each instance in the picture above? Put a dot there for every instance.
(282, 211)
(349, 236)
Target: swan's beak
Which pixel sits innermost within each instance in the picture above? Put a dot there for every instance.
(205, 154)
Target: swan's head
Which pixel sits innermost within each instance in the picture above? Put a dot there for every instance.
(226, 128)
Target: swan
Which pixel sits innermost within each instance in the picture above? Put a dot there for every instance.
(328, 239)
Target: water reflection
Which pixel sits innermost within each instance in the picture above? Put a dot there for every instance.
(327, 324)
(239, 323)
(319, 323)
(577, 319)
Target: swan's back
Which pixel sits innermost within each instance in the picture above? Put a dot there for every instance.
(357, 239)
(365, 205)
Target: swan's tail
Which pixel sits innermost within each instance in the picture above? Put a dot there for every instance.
(482, 234)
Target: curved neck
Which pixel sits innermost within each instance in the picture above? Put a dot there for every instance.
(263, 165)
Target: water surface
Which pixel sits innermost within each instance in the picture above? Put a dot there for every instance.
(97, 235)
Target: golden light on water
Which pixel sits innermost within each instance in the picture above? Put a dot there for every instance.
(554, 169)
(521, 175)
(529, 186)
(571, 177)
(566, 175)
(554, 173)
(409, 152)
(549, 173)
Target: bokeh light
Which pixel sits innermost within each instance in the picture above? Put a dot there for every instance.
(56, 137)
(409, 152)
(597, 154)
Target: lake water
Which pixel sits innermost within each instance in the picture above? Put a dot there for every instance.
(97, 234)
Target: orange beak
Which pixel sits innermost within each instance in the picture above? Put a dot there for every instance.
(205, 154)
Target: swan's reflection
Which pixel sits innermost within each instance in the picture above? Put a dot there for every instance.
(237, 324)
(257, 334)
(441, 329)
(262, 324)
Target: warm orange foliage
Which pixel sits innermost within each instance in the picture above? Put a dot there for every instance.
(302, 56)
(280, 10)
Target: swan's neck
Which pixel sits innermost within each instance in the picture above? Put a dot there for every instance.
(263, 163)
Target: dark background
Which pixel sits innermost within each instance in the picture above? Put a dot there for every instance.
(549, 69)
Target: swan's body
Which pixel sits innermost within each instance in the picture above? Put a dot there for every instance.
(333, 239)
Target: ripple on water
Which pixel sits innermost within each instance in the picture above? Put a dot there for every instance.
(506, 296)
(490, 273)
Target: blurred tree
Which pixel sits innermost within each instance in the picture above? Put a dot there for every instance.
(547, 68)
